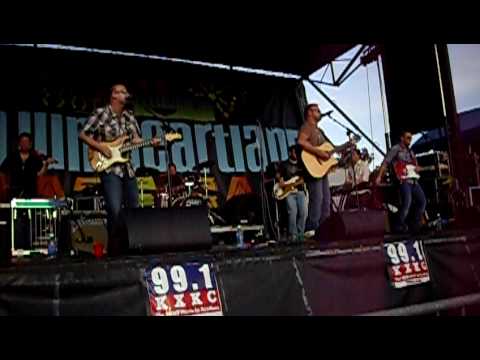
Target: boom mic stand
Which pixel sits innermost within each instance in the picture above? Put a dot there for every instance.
(167, 158)
(263, 192)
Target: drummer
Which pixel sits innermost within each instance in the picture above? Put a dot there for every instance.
(177, 181)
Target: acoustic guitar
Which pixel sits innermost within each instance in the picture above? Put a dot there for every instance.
(319, 168)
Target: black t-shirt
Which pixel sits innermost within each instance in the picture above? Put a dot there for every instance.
(176, 180)
(23, 175)
(288, 169)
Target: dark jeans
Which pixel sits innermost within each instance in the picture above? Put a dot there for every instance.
(117, 192)
(411, 193)
(319, 200)
(297, 214)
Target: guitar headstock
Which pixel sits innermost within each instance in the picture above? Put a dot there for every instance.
(171, 136)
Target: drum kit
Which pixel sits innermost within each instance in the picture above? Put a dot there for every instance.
(193, 192)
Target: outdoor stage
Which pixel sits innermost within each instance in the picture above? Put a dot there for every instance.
(276, 279)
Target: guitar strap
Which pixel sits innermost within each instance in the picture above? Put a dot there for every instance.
(325, 136)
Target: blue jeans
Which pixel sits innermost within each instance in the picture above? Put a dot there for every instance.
(117, 192)
(319, 200)
(409, 192)
(297, 214)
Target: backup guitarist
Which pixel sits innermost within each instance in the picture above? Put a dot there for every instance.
(309, 137)
(119, 183)
(297, 199)
(412, 195)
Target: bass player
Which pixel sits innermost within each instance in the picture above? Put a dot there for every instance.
(296, 200)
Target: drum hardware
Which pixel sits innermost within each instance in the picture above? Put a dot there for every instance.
(146, 184)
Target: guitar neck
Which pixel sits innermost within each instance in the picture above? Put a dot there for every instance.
(347, 144)
(131, 147)
(294, 184)
(341, 147)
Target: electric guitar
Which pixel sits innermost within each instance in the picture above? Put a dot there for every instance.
(406, 171)
(291, 186)
(99, 162)
(319, 168)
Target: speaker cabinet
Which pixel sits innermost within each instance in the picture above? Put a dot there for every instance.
(163, 230)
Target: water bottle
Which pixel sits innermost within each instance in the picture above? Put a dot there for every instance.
(438, 223)
(240, 243)
(52, 248)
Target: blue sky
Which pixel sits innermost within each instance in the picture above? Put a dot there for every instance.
(465, 65)
(352, 96)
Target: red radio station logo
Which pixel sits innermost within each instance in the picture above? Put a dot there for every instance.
(181, 290)
(407, 264)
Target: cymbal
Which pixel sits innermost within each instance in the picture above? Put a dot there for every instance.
(203, 165)
(92, 185)
(210, 192)
(146, 171)
(383, 185)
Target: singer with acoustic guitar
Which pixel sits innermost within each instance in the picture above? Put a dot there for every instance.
(115, 125)
(310, 138)
(406, 170)
(317, 158)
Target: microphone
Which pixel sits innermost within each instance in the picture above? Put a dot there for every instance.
(129, 102)
(326, 114)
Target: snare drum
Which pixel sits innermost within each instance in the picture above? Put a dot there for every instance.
(162, 200)
(188, 201)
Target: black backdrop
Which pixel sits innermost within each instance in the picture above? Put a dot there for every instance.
(267, 283)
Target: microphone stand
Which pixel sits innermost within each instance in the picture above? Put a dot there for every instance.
(349, 131)
(167, 158)
(167, 154)
(350, 135)
(263, 193)
(262, 174)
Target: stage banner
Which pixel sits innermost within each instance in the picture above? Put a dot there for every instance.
(238, 122)
(188, 289)
(406, 263)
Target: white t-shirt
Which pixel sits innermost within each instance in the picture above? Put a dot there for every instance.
(362, 172)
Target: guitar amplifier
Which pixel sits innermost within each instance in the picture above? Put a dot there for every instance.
(5, 246)
(474, 195)
(93, 203)
(87, 231)
(433, 159)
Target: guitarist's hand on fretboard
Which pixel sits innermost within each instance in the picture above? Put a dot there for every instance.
(156, 142)
(105, 150)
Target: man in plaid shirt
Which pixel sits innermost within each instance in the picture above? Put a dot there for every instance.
(119, 183)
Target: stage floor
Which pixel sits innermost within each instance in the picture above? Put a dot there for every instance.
(267, 279)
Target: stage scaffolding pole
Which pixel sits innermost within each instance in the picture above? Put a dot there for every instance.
(346, 117)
